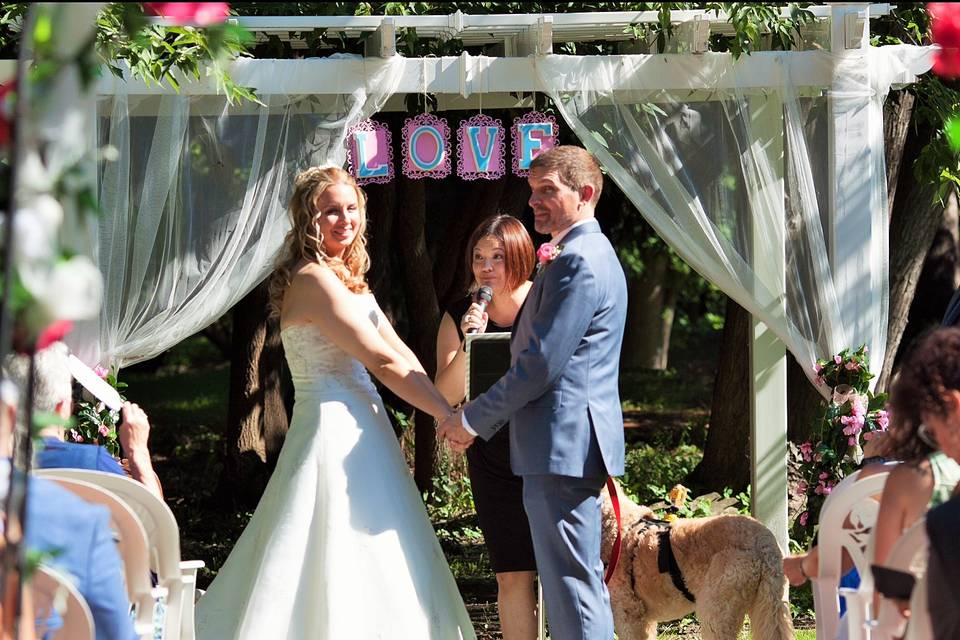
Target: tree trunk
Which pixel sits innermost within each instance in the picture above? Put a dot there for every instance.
(647, 338)
(726, 454)
(422, 311)
(914, 220)
(256, 416)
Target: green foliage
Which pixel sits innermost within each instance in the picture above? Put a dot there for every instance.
(650, 471)
(751, 20)
(153, 53)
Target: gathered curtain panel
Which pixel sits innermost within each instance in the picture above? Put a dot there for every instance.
(194, 205)
(734, 171)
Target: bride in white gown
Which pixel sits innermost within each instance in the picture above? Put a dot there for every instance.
(340, 546)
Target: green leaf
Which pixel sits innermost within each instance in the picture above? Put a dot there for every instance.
(952, 129)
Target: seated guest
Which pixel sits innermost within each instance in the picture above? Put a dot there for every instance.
(77, 539)
(52, 394)
(928, 392)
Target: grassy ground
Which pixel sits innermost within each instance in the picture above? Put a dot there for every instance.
(186, 394)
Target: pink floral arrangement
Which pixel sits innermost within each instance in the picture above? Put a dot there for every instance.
(547, 253)
(96, 423)
(197, 14)
(852, 417)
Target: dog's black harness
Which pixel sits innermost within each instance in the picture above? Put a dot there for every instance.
(666, 559)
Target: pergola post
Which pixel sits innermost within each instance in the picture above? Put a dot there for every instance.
(768, 355)
(853, 130)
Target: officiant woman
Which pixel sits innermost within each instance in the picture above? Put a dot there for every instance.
(500, 256)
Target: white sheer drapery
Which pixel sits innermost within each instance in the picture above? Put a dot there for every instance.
(194, 206)
(732, 170)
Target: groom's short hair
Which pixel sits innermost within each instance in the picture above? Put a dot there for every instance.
(575, 166)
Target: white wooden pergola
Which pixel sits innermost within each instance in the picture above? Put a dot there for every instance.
(517, 42)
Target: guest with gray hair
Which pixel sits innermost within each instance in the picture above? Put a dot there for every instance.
(52, 393)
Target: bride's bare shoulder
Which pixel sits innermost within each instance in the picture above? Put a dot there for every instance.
(310, 276)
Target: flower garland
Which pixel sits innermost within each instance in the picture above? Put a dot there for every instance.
(852, 417)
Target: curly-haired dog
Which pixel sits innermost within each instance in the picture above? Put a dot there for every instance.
(729, 565)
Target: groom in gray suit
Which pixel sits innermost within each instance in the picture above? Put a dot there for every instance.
(560, 394)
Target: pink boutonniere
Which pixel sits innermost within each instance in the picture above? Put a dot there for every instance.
(546, 254)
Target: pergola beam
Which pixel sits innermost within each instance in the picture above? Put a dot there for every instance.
(466, 74)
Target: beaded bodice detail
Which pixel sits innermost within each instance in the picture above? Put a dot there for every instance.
(318, 365)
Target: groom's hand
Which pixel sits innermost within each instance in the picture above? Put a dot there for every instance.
(451, 430)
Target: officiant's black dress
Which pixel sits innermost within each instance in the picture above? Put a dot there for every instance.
(497, 492)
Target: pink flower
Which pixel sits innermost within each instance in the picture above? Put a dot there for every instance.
(102, 372)
(76, 436)
(806, 449)
(54, 332)
(852, 441)
(824, 475)
(851, 366)
(546, 253)
(104, 430)
(945, 28)
(818, 368)
(804, 517)
(858, 407)
(837, 359)
(883, 419)
(199, 14)
(802, 487)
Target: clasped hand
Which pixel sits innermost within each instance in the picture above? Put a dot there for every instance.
(451, 429)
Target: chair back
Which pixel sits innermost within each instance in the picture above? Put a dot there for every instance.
(847, 519)
(132, 543)
(163, 535)
(53, 594)
(909, 553)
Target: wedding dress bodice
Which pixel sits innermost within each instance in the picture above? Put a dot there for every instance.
(318, 365)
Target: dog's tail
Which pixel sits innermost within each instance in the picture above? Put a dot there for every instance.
(770, 612)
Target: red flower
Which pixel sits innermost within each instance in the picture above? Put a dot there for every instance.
(199, 14)
(945, 25)
(6, 111)
(54, 332)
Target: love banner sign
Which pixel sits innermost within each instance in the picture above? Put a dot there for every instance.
(427, 153)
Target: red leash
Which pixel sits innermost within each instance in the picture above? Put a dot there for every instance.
(615, 552)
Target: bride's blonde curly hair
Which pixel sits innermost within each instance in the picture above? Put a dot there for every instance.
(304, 242)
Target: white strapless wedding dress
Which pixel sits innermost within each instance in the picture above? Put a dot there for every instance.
(340, 546)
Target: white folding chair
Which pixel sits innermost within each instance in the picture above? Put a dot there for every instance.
(132, 544)
(909, 553)
(54, 592)
(177, 577)
(847, 519)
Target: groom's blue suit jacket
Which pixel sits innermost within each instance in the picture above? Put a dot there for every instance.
(560, 394)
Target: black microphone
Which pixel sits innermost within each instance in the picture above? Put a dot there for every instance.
(485, 295)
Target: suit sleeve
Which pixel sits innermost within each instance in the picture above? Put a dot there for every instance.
(105, 593)
(567, 305)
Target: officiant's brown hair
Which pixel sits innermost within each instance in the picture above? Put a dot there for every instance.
(518, 256)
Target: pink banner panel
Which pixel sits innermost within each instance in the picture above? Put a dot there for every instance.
(426, 147)
(481, 149)
(531, 134)
(370, 152)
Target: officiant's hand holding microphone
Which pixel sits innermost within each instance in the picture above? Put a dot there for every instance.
(474, 321)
